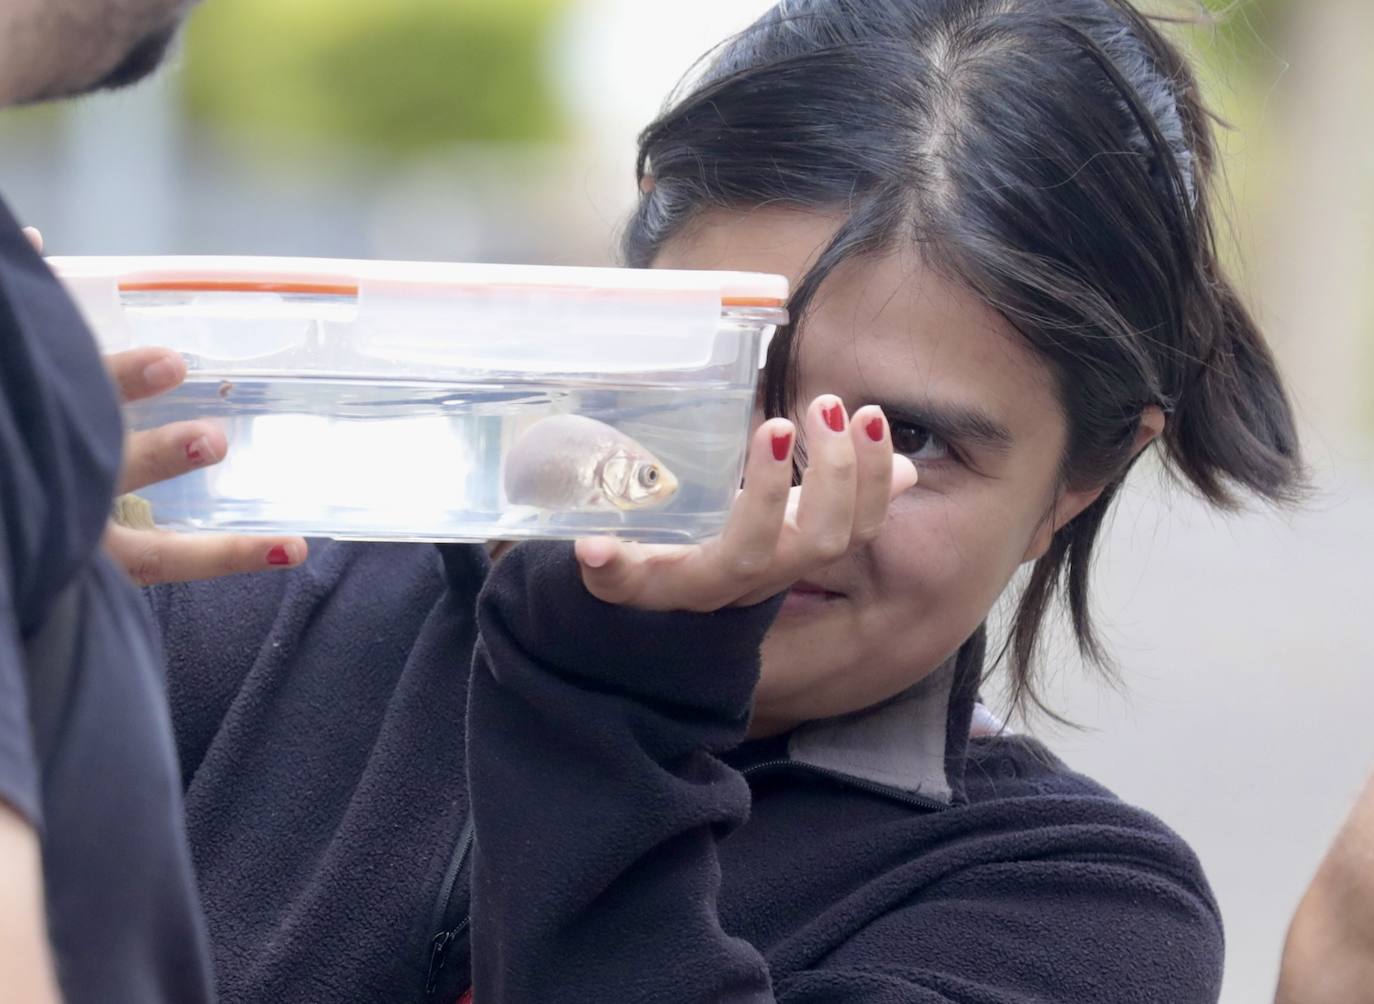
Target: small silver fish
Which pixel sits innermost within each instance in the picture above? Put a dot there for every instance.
(571, 463)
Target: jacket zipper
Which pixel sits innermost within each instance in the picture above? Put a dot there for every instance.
(907, 797)
(440, 944)
(438, 954)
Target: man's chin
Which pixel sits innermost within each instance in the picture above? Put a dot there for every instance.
(138, 62)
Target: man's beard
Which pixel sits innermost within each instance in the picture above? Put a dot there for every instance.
(135, 63)
(145, 57)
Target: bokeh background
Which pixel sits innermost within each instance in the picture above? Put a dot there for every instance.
(503, 130)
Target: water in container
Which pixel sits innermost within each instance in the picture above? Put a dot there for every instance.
(503, 405)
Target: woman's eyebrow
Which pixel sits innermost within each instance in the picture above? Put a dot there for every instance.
(956, 423)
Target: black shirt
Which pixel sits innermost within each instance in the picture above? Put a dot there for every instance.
(123, 915)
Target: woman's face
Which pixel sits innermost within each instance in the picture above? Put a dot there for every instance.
(967, 401)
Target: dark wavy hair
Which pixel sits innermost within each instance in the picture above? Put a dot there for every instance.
(1054, 157)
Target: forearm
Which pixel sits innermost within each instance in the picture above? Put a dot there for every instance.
(1329, 951)
(596, 795)
(26, 970)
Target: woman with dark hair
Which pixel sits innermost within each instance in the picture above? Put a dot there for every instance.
(753, 770)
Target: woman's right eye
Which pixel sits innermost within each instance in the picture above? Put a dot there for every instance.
(918, 443)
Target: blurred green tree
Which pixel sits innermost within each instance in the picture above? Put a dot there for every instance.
(400, 76)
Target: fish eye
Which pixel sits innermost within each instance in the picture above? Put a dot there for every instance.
(648, 476)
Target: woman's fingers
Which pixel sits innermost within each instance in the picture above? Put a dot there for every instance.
(903, 476)
(154, 556)
(825, 511)
(168, 451)
(648, 576)
(165, 452)
(714, 574)
(776, 533)
(747, 545)
(146, 372)
(612, 570)
(881, 475)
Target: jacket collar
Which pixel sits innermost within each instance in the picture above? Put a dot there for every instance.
(914, 742)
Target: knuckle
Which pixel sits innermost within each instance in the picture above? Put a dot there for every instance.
(843, 466)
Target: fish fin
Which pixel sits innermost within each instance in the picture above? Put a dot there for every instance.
(520, 515)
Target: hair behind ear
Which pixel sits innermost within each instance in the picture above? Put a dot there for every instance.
(1232, 425)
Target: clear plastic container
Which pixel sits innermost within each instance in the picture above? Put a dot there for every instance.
(427, 401)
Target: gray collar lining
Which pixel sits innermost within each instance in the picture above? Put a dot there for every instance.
(900, 743)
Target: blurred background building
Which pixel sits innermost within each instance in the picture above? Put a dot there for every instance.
(503, 130)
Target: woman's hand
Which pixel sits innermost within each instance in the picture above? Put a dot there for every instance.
(153, 455)
(775, 533)
(153, 556)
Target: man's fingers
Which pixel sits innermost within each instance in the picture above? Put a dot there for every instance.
(35, 238)
(168, 451)
(146, 372)
(154, 556)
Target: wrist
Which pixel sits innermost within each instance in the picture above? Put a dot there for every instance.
(708, 661)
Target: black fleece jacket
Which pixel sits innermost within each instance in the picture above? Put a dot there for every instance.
(390, 800)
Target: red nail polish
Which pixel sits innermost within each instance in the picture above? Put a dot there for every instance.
(834, 417)
(278, 556)
(874, 429)
(782, 445)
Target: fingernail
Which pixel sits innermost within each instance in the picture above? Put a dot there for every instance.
(162, 373)
(834, 416)
(278, 556)
(198, 452)
(782, 446)
(874, 428)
